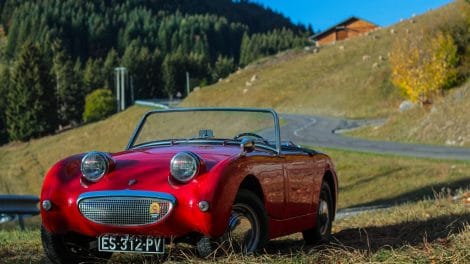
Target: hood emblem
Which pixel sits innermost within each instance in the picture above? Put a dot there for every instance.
(155, 210)
(132, 182)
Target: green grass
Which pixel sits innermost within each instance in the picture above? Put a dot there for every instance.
(371, 179)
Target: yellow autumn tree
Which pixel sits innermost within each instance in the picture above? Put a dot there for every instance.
(424, 65)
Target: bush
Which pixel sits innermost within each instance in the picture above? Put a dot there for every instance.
(99, 104)
(424, 65)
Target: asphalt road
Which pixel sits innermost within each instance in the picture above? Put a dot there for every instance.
(317, 131)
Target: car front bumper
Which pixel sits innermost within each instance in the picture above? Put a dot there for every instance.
(129, 212)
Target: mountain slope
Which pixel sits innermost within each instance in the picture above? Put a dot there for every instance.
(351, 78)
(446, 122)
(23, 165)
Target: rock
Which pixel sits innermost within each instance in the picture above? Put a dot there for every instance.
(341, 47)
(406, 105)
(245, 91)
(392, 31)
(375, 65)
(365, 58)
(248, 84)
(381, 58)
(220, 79)
(254, 78)
(197, 88)
(307, 48)
(451, 142)
(316, 50)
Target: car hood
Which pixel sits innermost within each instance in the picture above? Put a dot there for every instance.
(138, 168)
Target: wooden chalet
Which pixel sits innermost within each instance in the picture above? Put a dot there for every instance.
(349, 28)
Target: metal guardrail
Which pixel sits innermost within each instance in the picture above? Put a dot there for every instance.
(12, 206)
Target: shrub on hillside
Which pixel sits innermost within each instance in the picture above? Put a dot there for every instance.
(424, 65)
(99, 104)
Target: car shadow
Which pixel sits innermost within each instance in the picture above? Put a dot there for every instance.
(373, 238)
(426, 192)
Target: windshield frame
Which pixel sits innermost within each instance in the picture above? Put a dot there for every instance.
(142, 121)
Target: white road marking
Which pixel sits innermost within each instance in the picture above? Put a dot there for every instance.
(312, 122)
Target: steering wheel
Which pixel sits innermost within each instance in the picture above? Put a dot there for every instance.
(247, 134)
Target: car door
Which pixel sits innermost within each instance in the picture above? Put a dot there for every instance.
(300, 180)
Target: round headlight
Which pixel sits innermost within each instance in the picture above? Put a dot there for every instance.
(184, 166)
(94, 165)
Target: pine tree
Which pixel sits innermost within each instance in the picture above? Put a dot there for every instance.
(4, 87)
(93, 77)
(31, 107)
(223, 67)
(111, 62)
(70, 96)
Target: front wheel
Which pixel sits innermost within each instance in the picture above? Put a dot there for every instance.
(70, 249)
(247, 230)
(321, 232)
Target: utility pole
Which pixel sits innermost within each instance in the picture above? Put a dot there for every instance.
(187, 84)
(121, 81)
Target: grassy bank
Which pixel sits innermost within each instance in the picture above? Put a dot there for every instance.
(427, 231)
(446, 122)
(418, 229)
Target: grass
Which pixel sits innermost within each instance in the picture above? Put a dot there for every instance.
(350, 78)
(447, 122)
(367, 179)
(426, 231)
(23, 165)
(419, 229)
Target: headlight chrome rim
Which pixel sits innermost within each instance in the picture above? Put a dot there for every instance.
(104, 158)
(196, 164)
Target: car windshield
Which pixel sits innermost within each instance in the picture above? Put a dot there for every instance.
(192, 125)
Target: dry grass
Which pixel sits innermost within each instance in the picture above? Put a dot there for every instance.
(23, 165)
(350, 78)
(427, 231)
(447, 122)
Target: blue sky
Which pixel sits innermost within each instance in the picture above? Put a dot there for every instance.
(323, 14)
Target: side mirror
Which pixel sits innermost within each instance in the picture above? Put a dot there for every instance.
(247, 145)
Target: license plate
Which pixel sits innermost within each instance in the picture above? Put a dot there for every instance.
(131, 243)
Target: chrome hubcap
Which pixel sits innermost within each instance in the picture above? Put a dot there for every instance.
(324, 216)
(243, 229)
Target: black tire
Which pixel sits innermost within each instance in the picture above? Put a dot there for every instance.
(63, 249)
(247, 208)
(321, 232)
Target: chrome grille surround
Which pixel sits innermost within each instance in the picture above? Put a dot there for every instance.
(125, 208)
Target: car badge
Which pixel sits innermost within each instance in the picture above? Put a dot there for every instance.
(154, 209)
(132, 182)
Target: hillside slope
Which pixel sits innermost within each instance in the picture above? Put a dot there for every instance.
(350, 78)
(447, 122)
(23, 165)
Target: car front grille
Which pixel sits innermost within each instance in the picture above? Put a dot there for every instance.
(124, 210)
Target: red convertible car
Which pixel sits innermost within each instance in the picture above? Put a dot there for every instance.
(211, 177)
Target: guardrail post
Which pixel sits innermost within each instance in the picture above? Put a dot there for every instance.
(21, 221)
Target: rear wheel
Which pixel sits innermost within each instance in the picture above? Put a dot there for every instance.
(321, 232)
(71, 249)
(247, 230)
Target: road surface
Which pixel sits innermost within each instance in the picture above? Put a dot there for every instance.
(322, 132)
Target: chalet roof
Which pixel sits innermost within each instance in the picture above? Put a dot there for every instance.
(333, 28)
